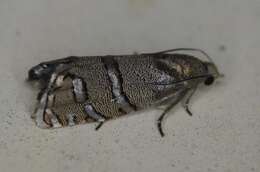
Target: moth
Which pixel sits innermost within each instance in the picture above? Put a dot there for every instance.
(77, 90)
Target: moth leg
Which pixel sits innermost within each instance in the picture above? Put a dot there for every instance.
(175, 101)
(100, 124)
(186, 102)
(160, 119)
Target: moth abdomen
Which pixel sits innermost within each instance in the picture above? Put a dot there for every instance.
(78, 90)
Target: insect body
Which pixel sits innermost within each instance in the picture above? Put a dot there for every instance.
(76, 90)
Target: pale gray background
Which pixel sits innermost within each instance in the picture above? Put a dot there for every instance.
(224, 133)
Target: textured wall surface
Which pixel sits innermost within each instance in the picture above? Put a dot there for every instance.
(224, 133)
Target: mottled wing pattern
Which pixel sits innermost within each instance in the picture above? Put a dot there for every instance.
(95, 89)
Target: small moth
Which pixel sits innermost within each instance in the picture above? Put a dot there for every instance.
(77, 90)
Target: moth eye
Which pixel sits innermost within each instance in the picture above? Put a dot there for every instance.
(209, 80)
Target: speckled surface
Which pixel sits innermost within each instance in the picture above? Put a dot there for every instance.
(224, 133)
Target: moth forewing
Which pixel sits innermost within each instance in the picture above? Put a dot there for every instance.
(78, 90)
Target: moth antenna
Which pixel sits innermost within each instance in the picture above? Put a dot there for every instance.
(186, 49)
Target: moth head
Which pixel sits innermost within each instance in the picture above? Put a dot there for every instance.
(41, 71)
(212, 73)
